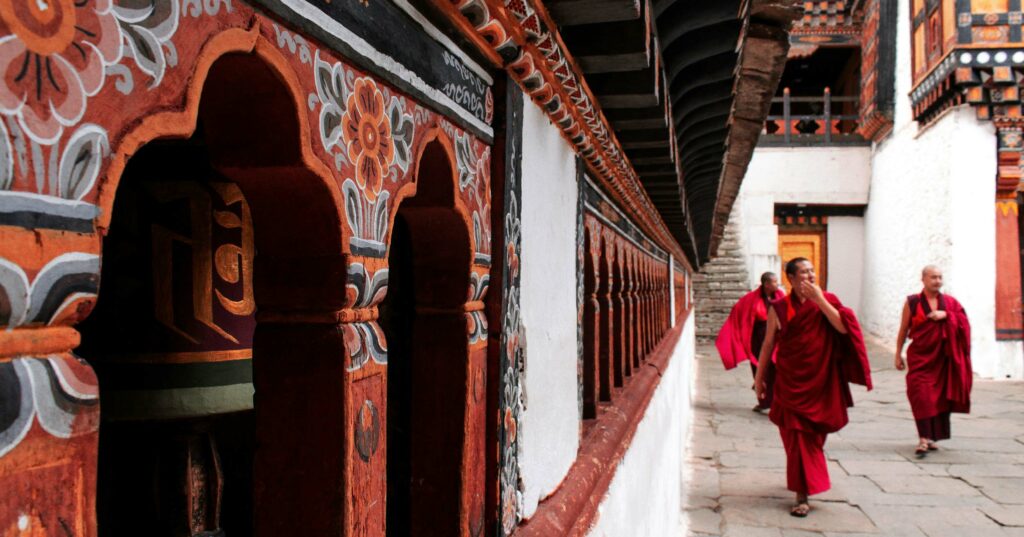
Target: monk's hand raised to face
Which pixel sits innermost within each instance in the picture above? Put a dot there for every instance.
(811, 291)
(937, 315)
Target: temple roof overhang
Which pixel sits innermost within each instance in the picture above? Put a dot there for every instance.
(663, 99)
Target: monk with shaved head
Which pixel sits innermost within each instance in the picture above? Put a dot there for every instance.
(938, 358)
(743, 332)
(819, 350)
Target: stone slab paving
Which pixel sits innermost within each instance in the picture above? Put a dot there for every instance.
(972, 487)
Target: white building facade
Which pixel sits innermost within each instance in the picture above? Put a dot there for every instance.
(918, 191)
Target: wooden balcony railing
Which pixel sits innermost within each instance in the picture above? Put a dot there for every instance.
(812, 121)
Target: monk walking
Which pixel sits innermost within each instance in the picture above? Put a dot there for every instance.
(743, 332)
(939, 358)
(819, 351)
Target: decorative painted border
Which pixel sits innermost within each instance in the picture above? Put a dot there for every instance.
(511, 348)
(57, 150)
(580, 263)
(520, 36)
(455, 85)
(603, 208)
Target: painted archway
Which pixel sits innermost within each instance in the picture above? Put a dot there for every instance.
(322, 272)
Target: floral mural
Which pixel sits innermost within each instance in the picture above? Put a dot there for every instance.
(82, 80)
(371, 134)
(366, 132)
(53, 57)
(65, 63)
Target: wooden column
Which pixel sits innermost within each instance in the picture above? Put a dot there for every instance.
(591, 324)
(321, 407)
(1009, 322)
(621, 364)
(648, 306)
(644, 310)
(631, 301)
(641, 317)
(606, 322)
(663, 305)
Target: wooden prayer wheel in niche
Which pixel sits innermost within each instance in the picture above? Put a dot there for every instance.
(171, 336)
(171, 342)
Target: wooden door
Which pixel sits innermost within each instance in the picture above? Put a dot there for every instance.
(809, 244)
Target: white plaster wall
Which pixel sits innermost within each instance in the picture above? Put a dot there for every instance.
(549, 428)
(931, 201)
(833, 175)
(846, 258)
(645, 496)
(758, 233)
(811, 175)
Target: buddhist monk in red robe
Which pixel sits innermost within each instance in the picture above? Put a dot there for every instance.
(819, 351)
(939, 358)
(743, 332)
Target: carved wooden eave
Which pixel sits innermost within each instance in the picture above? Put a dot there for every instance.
(675, 128)
(520, 37)
(653, 111)
(764, 48)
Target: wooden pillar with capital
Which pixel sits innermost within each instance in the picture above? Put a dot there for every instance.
(591, 321)
(1009, 323)
(623, 368)
(634, 310)
(606, 328)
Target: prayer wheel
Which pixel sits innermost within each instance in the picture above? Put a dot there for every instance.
(171, 342)
(171, 336)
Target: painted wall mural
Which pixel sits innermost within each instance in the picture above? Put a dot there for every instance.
(517, 35)
(511, 348)
(49, 417)
(580, 252)
(57, 394)
(85, 85)
(57, 131)
(57, 288)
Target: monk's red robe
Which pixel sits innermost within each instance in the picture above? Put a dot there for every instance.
(735, 340)
(939, 375)
(814, 366)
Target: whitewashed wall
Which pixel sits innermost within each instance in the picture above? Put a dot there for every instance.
(846, 258)
(812, 175)
(549, 429)
(932, 201)
(645, 496)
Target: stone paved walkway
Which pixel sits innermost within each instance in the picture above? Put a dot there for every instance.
(972, 487)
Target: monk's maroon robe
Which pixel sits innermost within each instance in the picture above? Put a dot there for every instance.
(939, 373)
(814, 366)
(743, 333)
(735, 341)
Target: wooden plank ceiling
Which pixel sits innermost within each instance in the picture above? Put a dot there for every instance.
(665, 74)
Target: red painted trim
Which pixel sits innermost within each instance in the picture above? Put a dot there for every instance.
(572, 509)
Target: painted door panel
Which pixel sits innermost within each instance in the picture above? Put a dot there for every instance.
(809, 244)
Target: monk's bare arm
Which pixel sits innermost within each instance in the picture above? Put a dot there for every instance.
(832, 314)
(901, 338)
(816, 295)
(764, 358)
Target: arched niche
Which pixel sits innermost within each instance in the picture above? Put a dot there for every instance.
(241, 140)
(436, 391)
